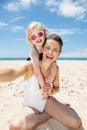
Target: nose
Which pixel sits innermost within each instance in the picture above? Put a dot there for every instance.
(37, 37)
(50, 51)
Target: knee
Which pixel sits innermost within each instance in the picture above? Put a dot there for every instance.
(76, 123)
(15, 125)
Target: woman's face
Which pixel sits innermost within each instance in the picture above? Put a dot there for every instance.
(37, 36)
(51, 50)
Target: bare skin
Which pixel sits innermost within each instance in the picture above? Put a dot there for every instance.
(53, 107)
(65, 115)
(36, 50)
(29, 119)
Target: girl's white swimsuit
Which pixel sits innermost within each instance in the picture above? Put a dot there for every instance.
(33, 94)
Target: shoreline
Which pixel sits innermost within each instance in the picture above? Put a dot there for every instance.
(60, 58)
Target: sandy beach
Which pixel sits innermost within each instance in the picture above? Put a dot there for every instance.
(73, 90)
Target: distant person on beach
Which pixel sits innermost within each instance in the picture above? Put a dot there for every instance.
(34, 104)
(36, 35)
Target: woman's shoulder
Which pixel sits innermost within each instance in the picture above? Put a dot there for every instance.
(28, 65)
(29, 69)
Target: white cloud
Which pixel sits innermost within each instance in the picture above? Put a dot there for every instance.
(12, 7)
(52, 10)
(16, 19)
(3, 24)
(68, 8)
(65, 31)
(17, 28)
(26, 3)
(52, 3)
(21, 4)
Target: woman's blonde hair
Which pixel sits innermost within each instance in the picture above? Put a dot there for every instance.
(33, 25)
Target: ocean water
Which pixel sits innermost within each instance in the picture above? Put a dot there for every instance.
(13, 59)
(58, 59)
(72, 59)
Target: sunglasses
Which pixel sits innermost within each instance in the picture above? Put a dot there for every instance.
(39, 34)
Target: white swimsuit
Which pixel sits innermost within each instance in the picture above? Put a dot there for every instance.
(33, 94)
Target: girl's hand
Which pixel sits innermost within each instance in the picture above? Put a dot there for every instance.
(47, 89)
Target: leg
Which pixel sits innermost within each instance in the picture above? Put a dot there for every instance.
(27, 119)
(35, 120)
(62, 113)
(18, 122)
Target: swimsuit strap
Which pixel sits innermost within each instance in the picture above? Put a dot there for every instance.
(40, 54)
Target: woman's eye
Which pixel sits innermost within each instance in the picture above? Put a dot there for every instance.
(47, 48)
(55, 50)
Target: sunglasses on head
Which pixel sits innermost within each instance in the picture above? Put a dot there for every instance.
(39, 34)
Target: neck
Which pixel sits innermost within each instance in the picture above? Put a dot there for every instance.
(44, 66)
(39, 48)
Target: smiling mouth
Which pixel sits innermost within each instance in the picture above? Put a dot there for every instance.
(39, 41)
(49, 57)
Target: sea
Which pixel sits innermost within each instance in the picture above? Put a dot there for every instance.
(7, 59)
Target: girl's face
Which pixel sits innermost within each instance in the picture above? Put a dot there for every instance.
(51, 51)
(37, 36)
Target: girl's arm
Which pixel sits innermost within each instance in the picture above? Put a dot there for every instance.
(10, 74)
(36, 67)
(55, 85)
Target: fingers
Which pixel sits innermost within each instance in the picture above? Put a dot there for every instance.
(47, 89)
(45, 95)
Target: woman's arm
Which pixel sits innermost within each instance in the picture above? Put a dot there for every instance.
(10, 74)
(56, 87)
(53, 70)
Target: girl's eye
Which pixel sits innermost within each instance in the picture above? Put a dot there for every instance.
(40, 34)
(33, 37)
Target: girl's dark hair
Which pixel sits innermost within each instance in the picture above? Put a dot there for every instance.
(55, 37)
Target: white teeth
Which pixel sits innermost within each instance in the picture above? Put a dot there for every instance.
(49, 57)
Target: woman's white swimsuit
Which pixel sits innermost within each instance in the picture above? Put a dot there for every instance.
(33, 94)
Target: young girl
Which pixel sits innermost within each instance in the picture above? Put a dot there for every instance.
(36, 34)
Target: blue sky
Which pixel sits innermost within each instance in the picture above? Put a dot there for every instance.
(68, 18)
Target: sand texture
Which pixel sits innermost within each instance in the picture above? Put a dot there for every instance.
(73, 90)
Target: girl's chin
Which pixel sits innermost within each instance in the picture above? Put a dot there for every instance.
(39, 44)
